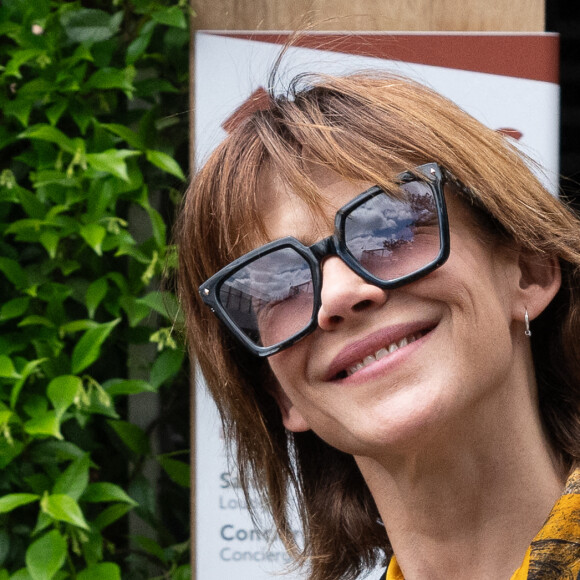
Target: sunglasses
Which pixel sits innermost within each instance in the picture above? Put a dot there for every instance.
(269, 298)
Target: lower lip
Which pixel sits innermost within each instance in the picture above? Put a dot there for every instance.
(386, 364)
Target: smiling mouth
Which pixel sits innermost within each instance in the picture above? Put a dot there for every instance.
(381, 353)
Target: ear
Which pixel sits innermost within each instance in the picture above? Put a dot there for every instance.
(540, 279)
(292, 418)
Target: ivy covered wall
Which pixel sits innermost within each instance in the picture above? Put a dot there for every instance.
(93, 154)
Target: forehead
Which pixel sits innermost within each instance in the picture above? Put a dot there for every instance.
(287, 213)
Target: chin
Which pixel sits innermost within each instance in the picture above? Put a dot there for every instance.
(403, 427)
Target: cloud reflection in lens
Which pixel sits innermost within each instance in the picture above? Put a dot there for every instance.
(270, 299)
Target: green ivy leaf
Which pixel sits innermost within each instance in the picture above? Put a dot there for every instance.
(162, 302)
(88, 348)
(111, 515)
(20, 108)
(47, 425)
(76, 326)
(9, 451)
(50, 134)
(135, 310)
(37, 87)
(14, 272)
(131, 387)
(182, 573)
(5, 416)
(64, 508)
(104, 492)
(102, 571)
(94, 234)
(55, 452)
(158, 225)
(54, 113)
(25, 227)
(35, 405)
(46, 556)
(152, 87)
(35, 320)
(166, 366)
(178, 471)
(112, 161)
(75, 479)
(89, 25)
(62, 392)
(42, 522)
(47, 177)
(172, 16)
(14, 500)
(132, 436)
(165, 162)
(81, 115)
(152, 548)
(132, 138)
(93, 547)
(21, 574)
(25, 372)
(49, 239)
(138, 47)
(94, 295)
(112, 78)
(33, 207)
(7, 369)
(14, 308)
(19, 58)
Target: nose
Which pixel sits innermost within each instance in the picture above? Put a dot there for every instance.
(345, 295)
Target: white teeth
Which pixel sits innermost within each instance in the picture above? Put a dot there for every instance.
(367, 360)
(381, 353)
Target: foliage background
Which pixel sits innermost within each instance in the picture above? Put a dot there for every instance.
(93, 151)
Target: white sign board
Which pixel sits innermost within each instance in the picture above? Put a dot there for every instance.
(508, 82)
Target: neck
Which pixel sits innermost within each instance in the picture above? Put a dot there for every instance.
(468, 503)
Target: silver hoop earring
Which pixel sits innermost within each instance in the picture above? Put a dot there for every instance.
(527, 332)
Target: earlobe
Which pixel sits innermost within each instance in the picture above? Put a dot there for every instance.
(540, 279)
(292, 418)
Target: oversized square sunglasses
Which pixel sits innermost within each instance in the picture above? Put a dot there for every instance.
(269, 298)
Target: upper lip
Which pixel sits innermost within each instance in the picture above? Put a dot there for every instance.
(370, 344)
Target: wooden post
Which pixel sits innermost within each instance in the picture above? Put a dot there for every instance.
(480, 15)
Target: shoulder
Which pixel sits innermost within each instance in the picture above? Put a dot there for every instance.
(557, 546)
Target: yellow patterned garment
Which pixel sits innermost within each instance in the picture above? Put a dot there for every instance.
(554, 554)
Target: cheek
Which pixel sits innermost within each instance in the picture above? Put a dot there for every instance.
(477, 275)
(290, 368)
(285, 366)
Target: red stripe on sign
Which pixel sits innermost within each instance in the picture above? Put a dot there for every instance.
(528, 56)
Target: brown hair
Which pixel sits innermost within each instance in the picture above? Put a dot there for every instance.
(362, 126)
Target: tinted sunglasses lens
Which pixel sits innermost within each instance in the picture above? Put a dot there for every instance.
(271, 298)
(392, 237)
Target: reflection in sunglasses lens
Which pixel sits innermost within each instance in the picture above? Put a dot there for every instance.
(393, 237)
(271, 298)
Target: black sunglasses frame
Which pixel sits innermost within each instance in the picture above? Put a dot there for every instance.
(333, 245)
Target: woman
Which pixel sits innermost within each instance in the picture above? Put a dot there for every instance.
(409, 369)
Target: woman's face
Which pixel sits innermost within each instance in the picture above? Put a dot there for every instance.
(388, 368)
